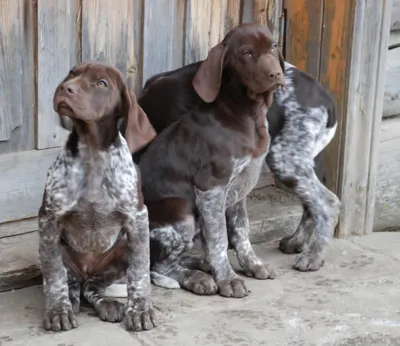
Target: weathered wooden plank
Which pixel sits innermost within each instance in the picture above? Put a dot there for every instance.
(108, 35)
(351, 160)
(14, 228)
(58, 52)
(232, 17)
(17, 76)
(22, 177)
(273, 214)
(264, 12)
(202, 28)
(178, 49)
(303, 34)
(19, 262)
(162, 36)
(387, 202)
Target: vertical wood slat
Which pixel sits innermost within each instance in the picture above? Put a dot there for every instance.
(303, 34)
(108, 35)
(265, 12)
(207, 22)
(197, 44)
(233, 14)
(162, 36)
(360, 69)
(17, 76)
(58, 52)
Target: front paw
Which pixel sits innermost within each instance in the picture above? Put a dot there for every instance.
(261, 272)
(234, 288)
(110, 310)
(60, 317)
(309, 261)
(140, 320)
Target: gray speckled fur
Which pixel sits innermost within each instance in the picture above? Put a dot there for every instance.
(91, 202)
(291, 159)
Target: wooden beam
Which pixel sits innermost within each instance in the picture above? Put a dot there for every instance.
(303, 34)
(58, 51)
(17, 76)
(353, 56)
(22, 177)
(108, 35)
(265, 12)
(167, 36)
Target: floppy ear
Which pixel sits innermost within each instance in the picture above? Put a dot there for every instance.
(207, 80)
(139, 131)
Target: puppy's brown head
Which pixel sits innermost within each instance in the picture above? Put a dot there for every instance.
(250, 53)
(94, 92)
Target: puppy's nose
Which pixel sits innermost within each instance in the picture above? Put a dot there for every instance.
(71, 89)
(274, 75)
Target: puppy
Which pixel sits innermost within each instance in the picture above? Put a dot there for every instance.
(93, 225)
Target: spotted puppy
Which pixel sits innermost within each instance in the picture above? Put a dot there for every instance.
(93, 225)
(201, 168)
(302, 122)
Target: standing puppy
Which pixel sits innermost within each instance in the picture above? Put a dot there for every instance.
(93, 225)
(202, 167)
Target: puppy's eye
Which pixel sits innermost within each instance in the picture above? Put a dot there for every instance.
(248, 52)
(274, 47)
(102, 83)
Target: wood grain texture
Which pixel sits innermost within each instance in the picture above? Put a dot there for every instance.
(387, 201)
(199, 31)
(351, 160)
(17, 76)
(233, 14)
(22, 177)
(19, 262)
(108, 35)
(162, 36)
(303, 34)
(14, 228)
(58, 51)
(265, 12)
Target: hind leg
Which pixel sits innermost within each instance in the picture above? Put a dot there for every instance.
(321, 213)
(324, 209)
(171, 268)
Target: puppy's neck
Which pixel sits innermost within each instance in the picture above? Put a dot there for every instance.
(98, 135)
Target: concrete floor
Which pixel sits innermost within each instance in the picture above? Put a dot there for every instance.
(353, 300)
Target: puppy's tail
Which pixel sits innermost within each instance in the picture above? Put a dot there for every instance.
(163, 281)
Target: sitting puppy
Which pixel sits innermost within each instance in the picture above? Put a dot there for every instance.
(93, 225)
(302, 122)
(202, 167)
